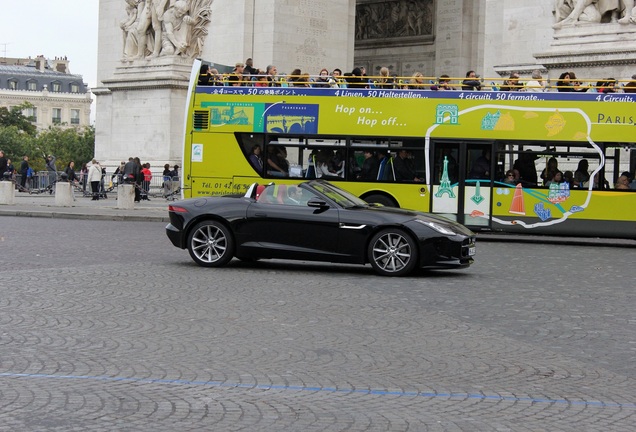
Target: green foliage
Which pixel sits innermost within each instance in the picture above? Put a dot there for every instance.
(14, 117)
(15, 143)
(67, 144)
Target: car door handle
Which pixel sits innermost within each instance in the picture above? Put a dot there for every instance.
(351, 226)
(260, 214)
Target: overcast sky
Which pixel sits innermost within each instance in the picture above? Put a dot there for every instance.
(53, 28)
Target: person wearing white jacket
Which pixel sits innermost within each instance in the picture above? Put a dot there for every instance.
(94, 177)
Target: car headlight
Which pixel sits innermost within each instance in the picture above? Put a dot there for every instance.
(437, 227)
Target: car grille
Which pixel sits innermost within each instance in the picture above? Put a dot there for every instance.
(467, 244)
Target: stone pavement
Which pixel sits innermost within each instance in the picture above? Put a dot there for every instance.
(43, 205)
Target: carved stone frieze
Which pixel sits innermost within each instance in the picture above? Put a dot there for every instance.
(162, 28)
(379, 20)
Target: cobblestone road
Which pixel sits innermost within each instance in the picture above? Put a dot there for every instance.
(106, 326)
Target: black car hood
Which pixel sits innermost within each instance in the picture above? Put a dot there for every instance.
(409, 215)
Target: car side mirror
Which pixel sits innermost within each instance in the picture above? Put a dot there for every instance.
(317, 203)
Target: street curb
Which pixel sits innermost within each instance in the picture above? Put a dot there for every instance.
(552, 240)
(85, 216)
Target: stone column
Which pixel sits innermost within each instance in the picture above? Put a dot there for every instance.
(451, 38)
(7, 193)
(64, 194)
(125, 196)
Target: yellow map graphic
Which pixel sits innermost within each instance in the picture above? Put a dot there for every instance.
(555, 124)
(580, 136)
(506, 123)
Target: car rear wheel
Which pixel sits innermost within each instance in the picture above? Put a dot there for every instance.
(392, 252)
(211, 244)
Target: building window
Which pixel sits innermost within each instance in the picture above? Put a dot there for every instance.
(13, 84)
(32, 114)
(57, 116)
(75, 116)
(32, 85)
(74, 88)
(56, 87)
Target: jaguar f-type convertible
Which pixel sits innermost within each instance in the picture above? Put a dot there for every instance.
(316, 221)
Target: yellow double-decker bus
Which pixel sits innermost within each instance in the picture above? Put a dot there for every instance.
(483, 158)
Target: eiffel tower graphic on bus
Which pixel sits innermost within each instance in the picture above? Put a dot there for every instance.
(445, 184)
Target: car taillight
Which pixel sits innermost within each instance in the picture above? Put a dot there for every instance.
(176, 209)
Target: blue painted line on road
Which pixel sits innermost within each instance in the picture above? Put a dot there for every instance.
(478, 396)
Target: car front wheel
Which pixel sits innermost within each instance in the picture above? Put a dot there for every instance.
(392, 252)
(211, 244)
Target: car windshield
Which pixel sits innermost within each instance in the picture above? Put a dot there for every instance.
(339, 196)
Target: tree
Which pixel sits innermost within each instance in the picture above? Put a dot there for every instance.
(67, 144)
(15, 143)
(15, 117)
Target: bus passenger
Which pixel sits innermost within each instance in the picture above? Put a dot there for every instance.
(481, 167)
(324, 161)
(369, 170)
(550, 170)
(277, 165)
(338, 81)
(256, 159)
(510, 177)
(261, 79)
(403, 166)
(527, 170)
(581, 175)
(622, 182)
(568, 177)
(323, 79)
(416, 82)
(472, 81)
(249, 69)
(385, 81)
(204, 75)
(234, 80)
(442, 84)
(536, 84)
(556, 178)
(271, 71)
(355, 79)
(511, 84)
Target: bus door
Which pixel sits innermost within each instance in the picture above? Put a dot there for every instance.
(462, 179)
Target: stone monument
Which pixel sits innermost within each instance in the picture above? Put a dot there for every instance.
(146, 49)
(594, 39)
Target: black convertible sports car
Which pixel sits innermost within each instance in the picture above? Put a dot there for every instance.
(316, 221)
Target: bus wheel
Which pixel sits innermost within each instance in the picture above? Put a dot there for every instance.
(392, 252)
(380, 199)
(211, 244)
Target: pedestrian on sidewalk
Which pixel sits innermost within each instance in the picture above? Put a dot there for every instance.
(52, 169)
(24, 171)
(95, 177)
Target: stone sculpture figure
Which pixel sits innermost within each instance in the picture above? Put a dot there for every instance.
(629, 12)
(569, 12)
(128, 27)
(175, 24)
(156, 28)
(150, 18)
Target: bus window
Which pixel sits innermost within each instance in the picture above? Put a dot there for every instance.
(252, 147)
(446, 159)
